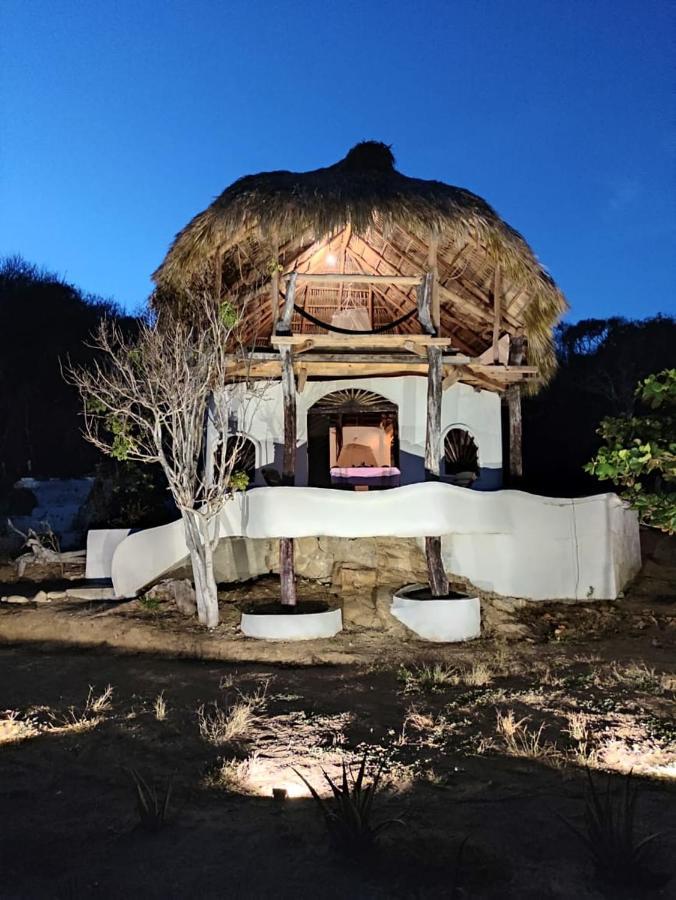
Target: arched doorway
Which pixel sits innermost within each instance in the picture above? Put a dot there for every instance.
(461, 457)
(353, 441)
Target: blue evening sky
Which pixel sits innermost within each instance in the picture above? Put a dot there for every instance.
(123, 119)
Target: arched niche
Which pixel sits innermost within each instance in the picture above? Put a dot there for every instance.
(460, 463)
(245, 455)
(353, 441)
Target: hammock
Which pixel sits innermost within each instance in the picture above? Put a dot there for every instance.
(378, 330)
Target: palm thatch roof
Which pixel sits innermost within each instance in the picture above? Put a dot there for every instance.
(381, 221)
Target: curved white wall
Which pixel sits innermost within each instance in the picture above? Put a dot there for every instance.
(512, 543)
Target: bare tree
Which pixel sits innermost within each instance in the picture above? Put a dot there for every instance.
(148, 399)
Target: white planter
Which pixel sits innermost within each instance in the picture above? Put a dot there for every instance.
(298, 627)
(445, 621)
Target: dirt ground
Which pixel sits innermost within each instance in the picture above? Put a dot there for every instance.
(483, 746)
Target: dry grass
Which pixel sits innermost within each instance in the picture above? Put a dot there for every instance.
(234, 775)
(89, 716)
(519, 740)
(223, 725)
(479, 674)
(160, 707)
(98, 703)
(14, 728)
(427, 678)
(637, 676)
(585, 752)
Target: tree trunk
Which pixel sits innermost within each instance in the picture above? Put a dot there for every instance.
(202, 559)
(287, 572)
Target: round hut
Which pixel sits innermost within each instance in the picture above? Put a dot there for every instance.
(392, 313)
(388, 318)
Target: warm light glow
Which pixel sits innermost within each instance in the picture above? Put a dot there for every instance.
(293, 789)
(331, 259)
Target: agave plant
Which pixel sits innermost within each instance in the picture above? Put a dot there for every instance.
(152, 807)
(609, 835)
(348, 813)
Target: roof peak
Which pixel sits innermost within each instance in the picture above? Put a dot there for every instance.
(369, 156)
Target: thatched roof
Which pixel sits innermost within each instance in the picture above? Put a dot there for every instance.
(385, 222)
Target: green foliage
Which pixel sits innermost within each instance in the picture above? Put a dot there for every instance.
(349, 812)
(123, 443)
(239, 481)
(639, 452)
(150, 603)
(228, 315)
(609, 834)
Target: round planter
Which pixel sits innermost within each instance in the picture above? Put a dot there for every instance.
(446, 621)
(297, 627)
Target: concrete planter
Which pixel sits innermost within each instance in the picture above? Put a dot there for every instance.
(298, 627)
(444, 621)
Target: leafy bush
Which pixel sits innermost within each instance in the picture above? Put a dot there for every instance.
(640, 452)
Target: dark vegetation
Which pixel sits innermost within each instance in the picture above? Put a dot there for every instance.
(600, 363)
(45, 321)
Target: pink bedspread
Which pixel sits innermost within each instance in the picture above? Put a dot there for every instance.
(364, 471)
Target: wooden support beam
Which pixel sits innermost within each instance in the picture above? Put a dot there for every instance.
(517, 352)
(435, 305)
(515, 433)
(301, 379)
(425, 304)
(274, 286)
(415, 348)
(284, 324)
(497, 304)
(358, 278)
(477, 373)
(289, 398)
(287, 571)
(451, 377)
(435, 566)
(359, 341)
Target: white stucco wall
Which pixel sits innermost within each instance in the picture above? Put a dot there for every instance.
(462, 406)
(509, 542)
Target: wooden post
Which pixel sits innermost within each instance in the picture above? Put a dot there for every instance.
(284, 324)
(435, 305)
(425, 303)
(497, 312)
(287, 573)
(274, 286)
(516, 356)
(433, 435)
(435, 566)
